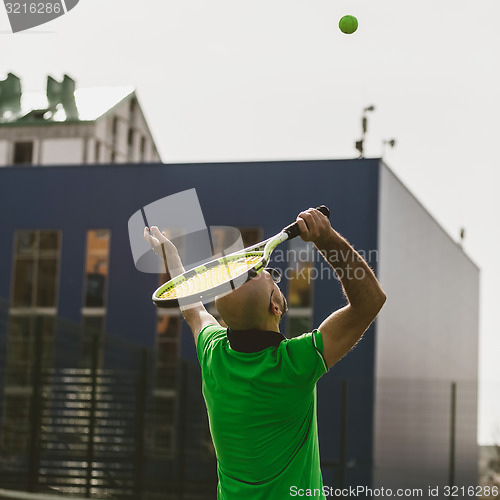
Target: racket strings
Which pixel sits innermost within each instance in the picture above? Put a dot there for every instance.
(212, 277)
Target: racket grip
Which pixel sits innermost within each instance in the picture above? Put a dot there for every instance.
(293, 229)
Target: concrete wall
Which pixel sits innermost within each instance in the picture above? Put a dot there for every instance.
(427, 338)
(4, 151)
(62, 151)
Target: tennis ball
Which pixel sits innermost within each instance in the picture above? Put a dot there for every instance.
(348, 24)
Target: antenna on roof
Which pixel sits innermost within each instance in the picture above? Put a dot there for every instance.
(364, 127)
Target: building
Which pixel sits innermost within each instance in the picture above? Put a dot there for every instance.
(400, 411)
(69, 126)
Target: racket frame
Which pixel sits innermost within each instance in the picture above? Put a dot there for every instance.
(263, 249)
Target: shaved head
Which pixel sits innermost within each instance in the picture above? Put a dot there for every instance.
(258, 304)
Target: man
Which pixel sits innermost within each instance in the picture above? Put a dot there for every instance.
(259, 387)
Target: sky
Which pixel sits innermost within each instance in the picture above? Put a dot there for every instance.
(225, 80)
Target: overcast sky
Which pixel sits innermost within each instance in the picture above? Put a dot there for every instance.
(276, 79)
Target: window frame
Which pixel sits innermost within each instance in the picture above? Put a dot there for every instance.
(31, 141)
(36, 258)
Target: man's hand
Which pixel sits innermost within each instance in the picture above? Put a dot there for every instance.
(157, 239)
(314, 226)
(165, 249)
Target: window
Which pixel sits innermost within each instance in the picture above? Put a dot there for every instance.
(96, 268)
(130, 143)
(114, 129)
(250, 235)
(132, 111)
(23, 153)
(300, 274)
(95, 290)
(114, 138)
(97, 152)
(143, 148)
(36, 269)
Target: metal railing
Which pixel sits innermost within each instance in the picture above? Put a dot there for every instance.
(79, 415)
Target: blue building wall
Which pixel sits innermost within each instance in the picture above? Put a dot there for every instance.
(266, 194)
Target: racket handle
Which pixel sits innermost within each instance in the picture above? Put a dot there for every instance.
(293, 229)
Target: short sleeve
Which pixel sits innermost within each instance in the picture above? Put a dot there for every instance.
(303, 359)
(206, 337)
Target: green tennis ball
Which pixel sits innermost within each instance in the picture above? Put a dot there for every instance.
(348, 24)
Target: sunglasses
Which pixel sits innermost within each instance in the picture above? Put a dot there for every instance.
(275, 274)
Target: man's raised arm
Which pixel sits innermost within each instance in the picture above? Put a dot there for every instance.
(343, 328)
(196, 316)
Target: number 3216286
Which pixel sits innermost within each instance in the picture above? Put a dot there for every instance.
(33, 8)
(463, 491)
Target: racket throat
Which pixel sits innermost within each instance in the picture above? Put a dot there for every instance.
(283, 236)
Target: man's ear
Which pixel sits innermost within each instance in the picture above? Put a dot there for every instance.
(276, 308)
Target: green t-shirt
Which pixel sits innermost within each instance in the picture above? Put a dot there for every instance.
(262, 413)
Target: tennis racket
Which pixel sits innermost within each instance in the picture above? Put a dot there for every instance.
(223, 275)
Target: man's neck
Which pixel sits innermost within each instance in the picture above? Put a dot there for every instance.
(253, 340)
(269, 327)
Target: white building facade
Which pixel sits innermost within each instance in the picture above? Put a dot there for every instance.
(65, 125)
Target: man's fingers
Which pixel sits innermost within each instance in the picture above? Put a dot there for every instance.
(304, 221)
(156, 232)
(312, 222)
(147, 236)
(152, 240)
(302, 226)
(321, 223)
(320, 215)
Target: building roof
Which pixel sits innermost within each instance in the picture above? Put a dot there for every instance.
(61, 103)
